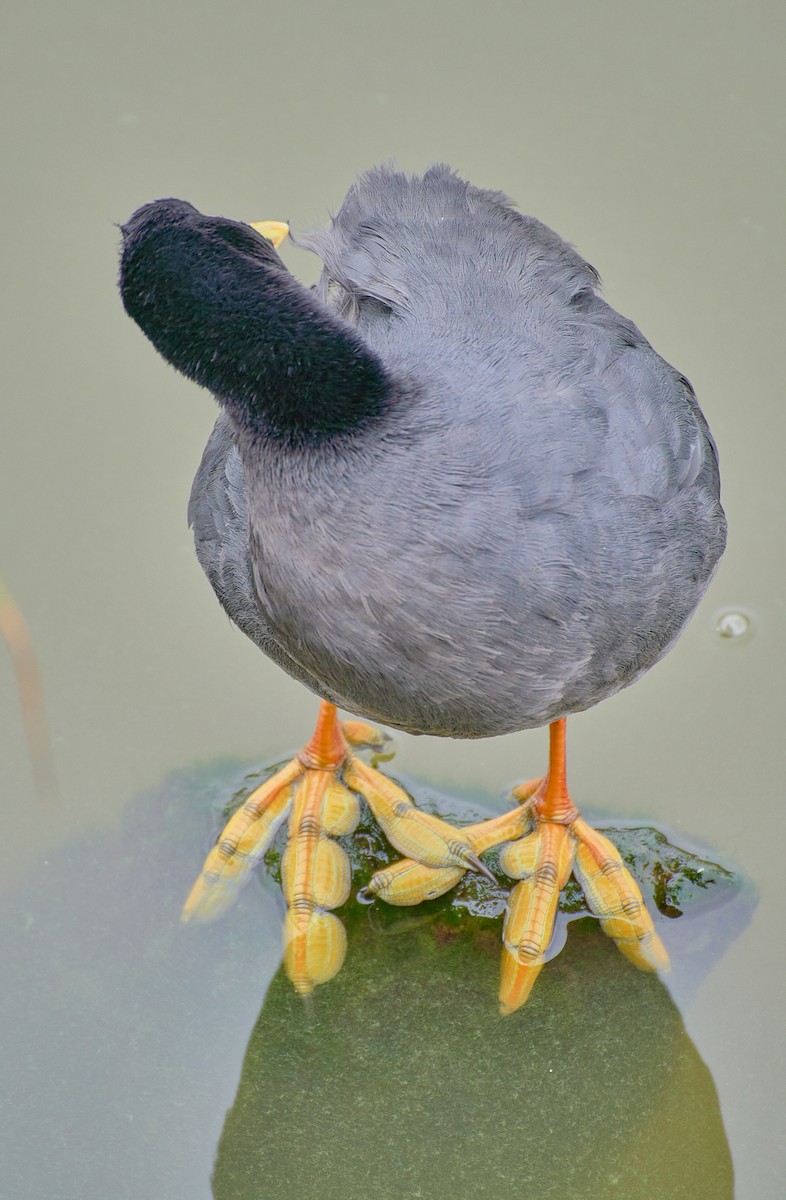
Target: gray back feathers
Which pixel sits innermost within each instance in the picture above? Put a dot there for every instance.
(534, 523)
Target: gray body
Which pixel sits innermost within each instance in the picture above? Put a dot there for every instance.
(531, 525)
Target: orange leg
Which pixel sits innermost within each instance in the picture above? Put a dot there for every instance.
(546, 841)
(559, 844)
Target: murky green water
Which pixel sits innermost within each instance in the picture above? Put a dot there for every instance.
(652, 139)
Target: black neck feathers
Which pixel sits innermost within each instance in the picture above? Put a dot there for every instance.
(217, 302)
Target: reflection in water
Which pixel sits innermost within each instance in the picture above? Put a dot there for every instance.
(14, 631)
(401, 1081)
(124, 1034)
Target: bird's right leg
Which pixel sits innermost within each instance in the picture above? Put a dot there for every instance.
(318, 793)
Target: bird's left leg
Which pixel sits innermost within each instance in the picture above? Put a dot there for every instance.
(559, 843)
(547, 841)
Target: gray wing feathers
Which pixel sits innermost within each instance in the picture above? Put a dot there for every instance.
(217, 514)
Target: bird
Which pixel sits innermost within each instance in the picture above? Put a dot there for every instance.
(451, 491)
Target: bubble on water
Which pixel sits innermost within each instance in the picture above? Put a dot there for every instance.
(733, 623)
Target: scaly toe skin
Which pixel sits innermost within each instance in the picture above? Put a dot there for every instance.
(415, 834)
(543, 861)
(320, 791)
(614, 896)
(316, 876)
(523, 791)
(245, 838)
(410, 882)
(315, 944)
(340, 810)
(316, 872)
(517, 980)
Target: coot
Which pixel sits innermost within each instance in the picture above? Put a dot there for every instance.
(450, 490)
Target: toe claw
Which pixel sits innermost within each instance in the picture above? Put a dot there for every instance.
(474, 863)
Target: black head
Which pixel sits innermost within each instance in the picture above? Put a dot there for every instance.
(176, 261)
(217, 302)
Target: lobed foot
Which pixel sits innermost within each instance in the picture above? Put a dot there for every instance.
(546, 841)
(543, 861)
(318, 794)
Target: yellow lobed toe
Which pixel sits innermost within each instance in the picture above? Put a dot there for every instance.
(416, 834)
(244, 840)
(315, 945)
(409, 882)
(614, 896)
(516, 982)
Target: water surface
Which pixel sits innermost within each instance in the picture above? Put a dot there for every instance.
(651, 139)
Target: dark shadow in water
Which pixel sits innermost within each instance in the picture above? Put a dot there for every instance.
(399, 1080)
(124, 1033)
